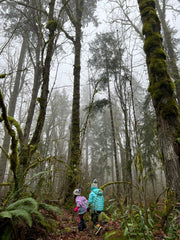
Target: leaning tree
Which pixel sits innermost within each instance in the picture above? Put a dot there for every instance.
(161, 88)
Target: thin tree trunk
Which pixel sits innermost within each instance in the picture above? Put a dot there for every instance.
(12, 105)
(113, 139)
(126, 160)
(36, 86)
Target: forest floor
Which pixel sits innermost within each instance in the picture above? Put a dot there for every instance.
(67, 229)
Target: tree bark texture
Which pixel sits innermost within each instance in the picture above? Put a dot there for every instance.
(126, 160)
(113, 131)
(75, 151)
(36, 86)
(161, 88)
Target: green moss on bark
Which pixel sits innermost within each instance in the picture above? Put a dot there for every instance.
(161, 86)
(52, 25)
(146, 3)
(169, 110)
(152, 42)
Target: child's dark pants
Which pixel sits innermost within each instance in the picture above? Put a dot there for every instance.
(81, 223)
(94, 217)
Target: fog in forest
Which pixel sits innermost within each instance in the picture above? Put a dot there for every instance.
(81, 99)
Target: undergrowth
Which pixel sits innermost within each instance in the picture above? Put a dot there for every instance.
(25, 216)
(142, 224)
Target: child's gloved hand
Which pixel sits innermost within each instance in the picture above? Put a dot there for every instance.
(76, 209)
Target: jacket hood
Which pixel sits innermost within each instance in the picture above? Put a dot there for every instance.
(99, 192)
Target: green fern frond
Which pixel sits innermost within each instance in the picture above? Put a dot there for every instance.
(18, 213)
(26, 211)
(5, 214)
(50, 208)
(40, 218)
(22, 214)
(28, 204)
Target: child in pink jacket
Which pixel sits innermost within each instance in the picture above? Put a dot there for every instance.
(81, 208)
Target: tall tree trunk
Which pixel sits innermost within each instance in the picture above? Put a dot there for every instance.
(75, 151)
(113, 134)
(12, 105)
(87, 155)
(28, 150)
(161, 88)
(120, 85)
(36, 86)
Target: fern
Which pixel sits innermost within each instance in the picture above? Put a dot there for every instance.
(50, 208)
(5, 214)
(28, 204)
(20, 214)
(23, 213)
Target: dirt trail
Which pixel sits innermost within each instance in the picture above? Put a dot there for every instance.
(67, 228)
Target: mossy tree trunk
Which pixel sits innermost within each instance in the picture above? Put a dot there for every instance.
(19, 81)
(172, 56)
(161, 88)
(75, 151)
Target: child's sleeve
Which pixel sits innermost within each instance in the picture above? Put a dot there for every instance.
(90, 200)
(78, 203)
(76, 209)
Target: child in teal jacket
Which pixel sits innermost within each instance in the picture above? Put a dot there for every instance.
(95, 204)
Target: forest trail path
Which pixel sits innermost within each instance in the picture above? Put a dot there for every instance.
(67, 228)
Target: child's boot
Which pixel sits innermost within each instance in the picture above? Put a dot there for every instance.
(98, 229)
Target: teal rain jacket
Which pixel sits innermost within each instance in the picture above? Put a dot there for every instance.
(96, 200)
